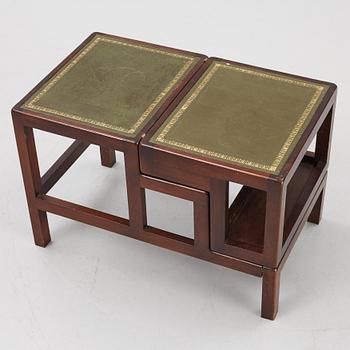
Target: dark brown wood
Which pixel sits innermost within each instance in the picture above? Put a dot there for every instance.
(322, 151)
(182, 245)
(172, 189)
(108, 157)
(293, 238)
(63, 163)
(324, 137)
(25, 121)
(83, 214)
(270, 293)
(218, 213)
(32, 181)
(244, 235)
(299, 191)
(75, 132)
(316, 213)
(265, 219)
(274, 222)
(200, 206)
(255, 235)
(199, 247)
(136, 194)
(201, 226)
(302, 204)
(246, 220)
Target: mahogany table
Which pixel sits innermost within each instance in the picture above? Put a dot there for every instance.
(251, 126)
(187, 125)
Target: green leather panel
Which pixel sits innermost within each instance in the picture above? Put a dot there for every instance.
(113, 84)
(242, 116)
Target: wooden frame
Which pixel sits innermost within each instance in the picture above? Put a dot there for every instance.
(222, 235)
(39, 203)
(282, 203)
(84, 134)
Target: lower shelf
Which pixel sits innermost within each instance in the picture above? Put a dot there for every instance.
(246, 216)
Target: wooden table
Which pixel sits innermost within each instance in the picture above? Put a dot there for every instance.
(187, 125)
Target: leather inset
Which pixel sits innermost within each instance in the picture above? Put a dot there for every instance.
(242, 116)
(113, 84)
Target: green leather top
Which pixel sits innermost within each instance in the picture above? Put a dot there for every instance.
(242, 116)
(113, 84)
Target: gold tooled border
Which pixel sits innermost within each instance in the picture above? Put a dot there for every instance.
(272, 167)
(32, 103)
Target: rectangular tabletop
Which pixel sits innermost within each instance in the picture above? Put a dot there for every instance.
(114, 83)
(242, 116)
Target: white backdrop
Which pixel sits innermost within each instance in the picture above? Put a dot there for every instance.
(90, 289)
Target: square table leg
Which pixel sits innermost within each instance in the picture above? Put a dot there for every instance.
(108, 157)
(32, 181)
(136, 194)
(323, 142)
(274, 223)
(218, 212)
(270, 293)
(316, 213)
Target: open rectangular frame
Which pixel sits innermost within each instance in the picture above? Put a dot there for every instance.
(39, 203)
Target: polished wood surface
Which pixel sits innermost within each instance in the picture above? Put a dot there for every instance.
(108, 157)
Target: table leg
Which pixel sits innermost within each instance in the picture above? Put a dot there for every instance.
(136, 194)
(218, 213)
(32, 181)
(274, 223)
(270, 293)
(316, 213)
(108, 158)
(323, 143)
